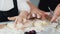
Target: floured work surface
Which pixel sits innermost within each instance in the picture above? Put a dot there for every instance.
(2, 26)
(37, 25)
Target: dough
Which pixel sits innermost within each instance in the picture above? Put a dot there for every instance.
(40, 23)
(14, 27)
(11, 25)
(28, 24)
(20, 25)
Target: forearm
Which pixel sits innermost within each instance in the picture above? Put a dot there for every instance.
(57, 10)
(31, 5)
(56, 13)
(34, 7)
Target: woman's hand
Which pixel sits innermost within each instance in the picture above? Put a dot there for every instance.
(38, 14)
(22, 17)
(34, 13)
(56, 13)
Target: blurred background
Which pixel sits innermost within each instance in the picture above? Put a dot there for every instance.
(35, 2)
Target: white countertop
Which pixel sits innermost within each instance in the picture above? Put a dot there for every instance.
(48, 30)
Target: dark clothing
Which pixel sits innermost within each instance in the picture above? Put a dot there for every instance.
(5, 14)
(44, 4)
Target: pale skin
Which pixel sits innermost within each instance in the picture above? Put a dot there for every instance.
(56, 13)
(37, 12)
(25, 15)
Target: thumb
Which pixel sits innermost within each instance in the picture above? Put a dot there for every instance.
(12, 18)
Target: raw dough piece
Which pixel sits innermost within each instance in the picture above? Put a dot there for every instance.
(11, 25)
(39, 23)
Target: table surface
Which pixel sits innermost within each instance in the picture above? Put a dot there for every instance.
(47, 31)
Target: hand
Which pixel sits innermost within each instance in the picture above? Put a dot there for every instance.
(38, 14)
(56, 13)
(20, 18)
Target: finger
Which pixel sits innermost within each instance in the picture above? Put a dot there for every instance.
(18, 20)
(42, 16)
(12, 18)
(53, 18)
(15, 23)
(24, 21)
(29, 16)
(38, 16)
(33, 15)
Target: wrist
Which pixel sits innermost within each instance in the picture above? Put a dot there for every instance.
(23, 13)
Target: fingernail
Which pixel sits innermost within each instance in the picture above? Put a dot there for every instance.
(33, 15)
(24, 20)
(38, 16)
(8, 17)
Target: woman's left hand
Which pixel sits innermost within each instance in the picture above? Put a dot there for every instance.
(56, 13)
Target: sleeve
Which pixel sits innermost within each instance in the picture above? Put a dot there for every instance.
(23, 6)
